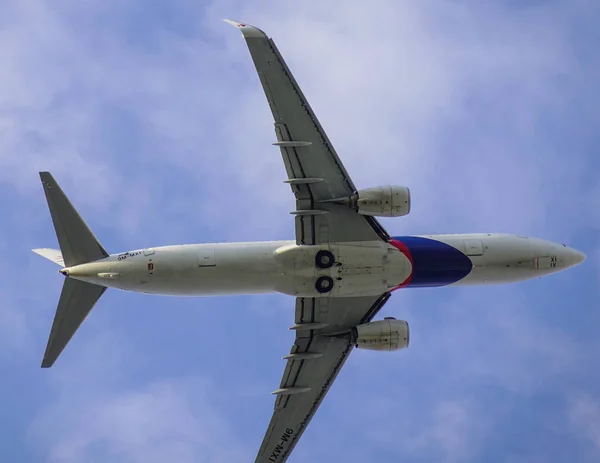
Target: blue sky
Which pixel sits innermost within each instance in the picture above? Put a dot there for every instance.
(151, 117)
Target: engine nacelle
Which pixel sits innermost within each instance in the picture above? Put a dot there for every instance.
(387, 334)
(383, 201)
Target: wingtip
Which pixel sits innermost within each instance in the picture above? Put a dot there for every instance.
(46, 364)
(46, 177)
(232, 22)
(248, 31)
(48, 359)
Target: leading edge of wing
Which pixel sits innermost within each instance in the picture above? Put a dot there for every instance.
(248, 31)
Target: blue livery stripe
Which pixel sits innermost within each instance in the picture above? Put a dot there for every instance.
(434, 263)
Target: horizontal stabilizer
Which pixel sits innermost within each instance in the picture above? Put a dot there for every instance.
(51, 254)
(76, 301)
(77, 243)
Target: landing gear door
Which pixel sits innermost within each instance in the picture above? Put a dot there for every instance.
(324, 237)
(473, 248)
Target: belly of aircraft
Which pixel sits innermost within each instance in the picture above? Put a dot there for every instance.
(360, 269)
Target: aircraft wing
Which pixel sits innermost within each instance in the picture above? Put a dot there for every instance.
(314, 170)
(312, 366)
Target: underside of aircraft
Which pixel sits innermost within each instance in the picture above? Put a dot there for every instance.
(342, 267)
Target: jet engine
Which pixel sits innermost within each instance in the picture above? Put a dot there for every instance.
(387, 334)
(383, 201)
(380, 201)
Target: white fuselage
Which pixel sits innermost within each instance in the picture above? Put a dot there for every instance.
(363, 268)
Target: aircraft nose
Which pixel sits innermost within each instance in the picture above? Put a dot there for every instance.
(553, 257)
(573, 257)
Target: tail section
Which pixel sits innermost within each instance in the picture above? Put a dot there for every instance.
(51, 254)
(78, 245)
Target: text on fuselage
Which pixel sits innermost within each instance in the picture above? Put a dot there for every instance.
(125, 255)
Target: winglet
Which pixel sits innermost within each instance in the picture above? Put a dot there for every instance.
(247, 30)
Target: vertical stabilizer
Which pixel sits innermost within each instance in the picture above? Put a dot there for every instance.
(77, 243)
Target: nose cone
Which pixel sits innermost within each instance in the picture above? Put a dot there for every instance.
(573, 257)
(554, 257)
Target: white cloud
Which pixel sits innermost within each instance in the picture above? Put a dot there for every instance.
(167, 420)
(584, 417)
(449, 431)
(13, 326)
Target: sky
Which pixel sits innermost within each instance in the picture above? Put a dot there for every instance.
(151, 117)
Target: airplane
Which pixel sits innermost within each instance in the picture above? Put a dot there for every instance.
(342, 266)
